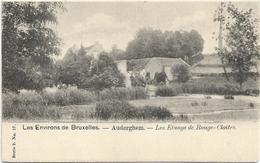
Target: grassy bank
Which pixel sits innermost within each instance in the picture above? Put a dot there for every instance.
(193, 104)
(172, 109)
(30, 105)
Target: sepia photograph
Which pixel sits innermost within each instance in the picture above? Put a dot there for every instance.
(130, 81)
(130, 61)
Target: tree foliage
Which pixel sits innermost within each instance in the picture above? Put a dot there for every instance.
(73, 67)
(137, 80)
(160, 78)
(103, 73)
(155, 43)
(181, 72)
(78, 68)
(28, 43)
(117, 54)
(241, 51)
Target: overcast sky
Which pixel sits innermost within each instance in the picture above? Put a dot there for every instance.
(112, 23)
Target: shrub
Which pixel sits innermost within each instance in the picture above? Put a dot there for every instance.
(89, 73)
(182, 73)
(160, 78)
(79, 115)
(251, 105)
(103, 73)
(27, 106)
(195, 103)
(229, 97)
(211, 89)
(166, 91)
(252, 92)
(31, 104)
(52, 113)
(208, 97)
(23, 106)
(7, 109)
(34, 105)
(121, 93)
(69, 96)
(204, 103)
(137, 80)
(116, 109)
(182, 117)
(153, 112)
(219, 85)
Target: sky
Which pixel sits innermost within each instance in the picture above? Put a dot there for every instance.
(116, 23)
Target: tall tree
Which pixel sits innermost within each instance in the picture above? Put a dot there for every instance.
(74, 66)
(116, 53)
(147, 43)
(181, 72)
(28, 43)
(220, 17)
(80, 69)
(241, 50)
(103, 73)
(155, 43)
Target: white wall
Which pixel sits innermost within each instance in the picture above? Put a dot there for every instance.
(122, 67)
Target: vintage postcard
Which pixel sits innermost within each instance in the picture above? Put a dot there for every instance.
(123, 81)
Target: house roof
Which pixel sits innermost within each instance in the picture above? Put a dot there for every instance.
(139, 64)
(209, 60)
(196, 59)
(210, 64)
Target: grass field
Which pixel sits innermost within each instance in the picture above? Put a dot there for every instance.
(196, 104)
(200, 109)
(226, 116)
(195, 107)
(80, 105)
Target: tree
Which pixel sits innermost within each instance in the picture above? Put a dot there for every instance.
(147, 43)
(185, 45)
(182, 73)
(137, 80)
(74, 67)
(28, 43)
(117, 54)
(103, 73)
(241, 51)
(84, 71)
(160, 78)
(155, 43)
(107, 79)
(220, 17)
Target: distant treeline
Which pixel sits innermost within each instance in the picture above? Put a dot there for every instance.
(149, 43)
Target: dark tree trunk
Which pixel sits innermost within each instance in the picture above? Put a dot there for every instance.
(224, 68)
(241, 86)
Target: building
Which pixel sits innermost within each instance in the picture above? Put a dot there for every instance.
(122, 67)
(149, 66)
(209, 65)
(212, 65)
(95, 50)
